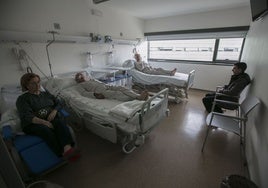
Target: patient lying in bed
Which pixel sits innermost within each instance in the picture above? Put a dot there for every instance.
(99, 90)
(144, 67)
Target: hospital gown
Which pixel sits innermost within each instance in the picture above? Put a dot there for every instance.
(110, 92)
(146, 68)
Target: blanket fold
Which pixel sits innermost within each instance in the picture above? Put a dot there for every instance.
(127, 109)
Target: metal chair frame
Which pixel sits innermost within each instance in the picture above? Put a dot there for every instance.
(232, 123)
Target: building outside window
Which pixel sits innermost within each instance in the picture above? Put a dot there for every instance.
(224, 47)
(230, 49)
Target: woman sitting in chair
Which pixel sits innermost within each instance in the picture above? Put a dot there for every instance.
(238, 82)
(38, 111)
(144, 67)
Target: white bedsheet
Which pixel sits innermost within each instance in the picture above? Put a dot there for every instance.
(179, 79)
(127, 109)
(83, 104)
(106, 108)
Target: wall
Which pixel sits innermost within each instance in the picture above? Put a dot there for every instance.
(213, 19)
(63, 58)
(75, 18)
(255, 54)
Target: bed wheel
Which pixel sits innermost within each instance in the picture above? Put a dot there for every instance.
(129, 147)
(167, 112)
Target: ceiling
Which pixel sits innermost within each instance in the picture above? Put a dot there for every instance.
(149, 9)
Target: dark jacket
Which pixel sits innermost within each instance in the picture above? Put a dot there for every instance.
(233, 89)
(31, 105)
(236, 84)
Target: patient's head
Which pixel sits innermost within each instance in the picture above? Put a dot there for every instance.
(80, 77)
(137, 57)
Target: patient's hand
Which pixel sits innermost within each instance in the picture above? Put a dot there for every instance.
(99, 96)
(52, 115)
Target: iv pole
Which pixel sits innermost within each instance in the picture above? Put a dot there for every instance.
(50, 42)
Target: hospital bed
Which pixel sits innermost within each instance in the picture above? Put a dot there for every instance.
(125, 122)
(178, 84)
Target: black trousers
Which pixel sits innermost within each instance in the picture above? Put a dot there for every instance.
(56, 138)
(208, 103)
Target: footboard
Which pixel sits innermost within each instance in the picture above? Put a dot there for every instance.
(190, 80)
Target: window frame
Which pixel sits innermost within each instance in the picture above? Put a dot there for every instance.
(216, 33)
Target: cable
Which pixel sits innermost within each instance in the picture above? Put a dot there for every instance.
(32, 62)
(50, 66)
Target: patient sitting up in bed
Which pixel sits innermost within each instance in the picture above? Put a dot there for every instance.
(100, 90)
(146, 68)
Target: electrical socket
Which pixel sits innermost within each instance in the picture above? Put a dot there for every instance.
(57, 26)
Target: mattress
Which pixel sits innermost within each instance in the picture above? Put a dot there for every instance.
(179, 79)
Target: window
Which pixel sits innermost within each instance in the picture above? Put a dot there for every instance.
(192, 50)
(229, 49)
(223, 45)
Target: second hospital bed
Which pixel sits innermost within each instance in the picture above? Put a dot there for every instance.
(117, 121)
(178, 84)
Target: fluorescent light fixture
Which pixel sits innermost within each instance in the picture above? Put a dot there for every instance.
(99, 1)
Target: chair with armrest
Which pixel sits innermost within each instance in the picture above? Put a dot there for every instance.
(31, 154)
(232, 123)
(228, 102)
(236, 122)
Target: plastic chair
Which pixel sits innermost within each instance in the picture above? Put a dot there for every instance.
(233, 123)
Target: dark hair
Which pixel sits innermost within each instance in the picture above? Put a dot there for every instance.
(25, 79)
(241, 65)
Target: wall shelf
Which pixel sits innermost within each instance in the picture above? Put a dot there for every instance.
(18, 36)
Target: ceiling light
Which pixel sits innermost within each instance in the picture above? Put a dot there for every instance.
(99, 1)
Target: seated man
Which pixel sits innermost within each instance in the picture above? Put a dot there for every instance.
(144, 67)
(100, 90)
(238, 82)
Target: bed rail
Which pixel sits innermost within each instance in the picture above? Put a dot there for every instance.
(149, 117)
(190, 80)
(146, 107)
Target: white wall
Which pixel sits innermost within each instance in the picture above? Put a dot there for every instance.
(213, 19)
(255, 54)
(75, 18)
(63, 57)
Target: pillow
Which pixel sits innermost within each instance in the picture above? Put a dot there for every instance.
(55, 85)
(63, 83)
(129, 63)
(11, 117)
